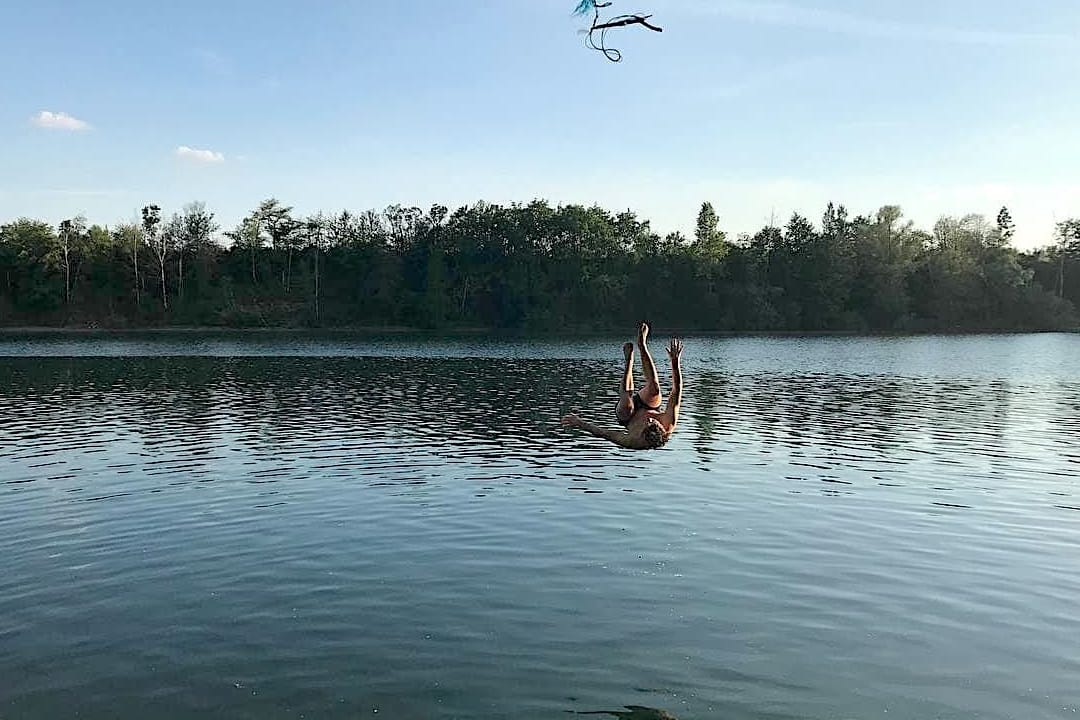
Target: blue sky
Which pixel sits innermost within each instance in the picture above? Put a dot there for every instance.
(762, 108)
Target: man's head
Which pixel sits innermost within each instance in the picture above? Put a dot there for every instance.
(653, 435)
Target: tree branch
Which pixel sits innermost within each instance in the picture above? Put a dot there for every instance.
(631, 20)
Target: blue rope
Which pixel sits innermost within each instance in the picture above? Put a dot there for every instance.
(584, 7)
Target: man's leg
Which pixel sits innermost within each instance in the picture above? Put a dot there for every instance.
(625, 409)
(650, 393)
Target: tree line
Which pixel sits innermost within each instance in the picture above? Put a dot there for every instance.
(535, 267)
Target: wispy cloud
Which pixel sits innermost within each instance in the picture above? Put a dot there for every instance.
(59, 121)
(204, 157)
(766, 78)
(791, 15)
(65, 193)
(213, 62)
(78, 192)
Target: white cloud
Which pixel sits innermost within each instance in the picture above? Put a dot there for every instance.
(205, 157)
(59, 121)
(791, 15)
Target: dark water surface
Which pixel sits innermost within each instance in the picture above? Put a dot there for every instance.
(294, 526)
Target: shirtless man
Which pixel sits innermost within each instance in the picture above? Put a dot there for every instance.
(647, 426)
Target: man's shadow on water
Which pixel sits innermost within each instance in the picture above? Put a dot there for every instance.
(632, 712)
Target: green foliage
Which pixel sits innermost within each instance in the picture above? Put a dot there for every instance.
(535, 267)
(1069, 236)
(710, 242)
(1005, 225)
(1058, 267)
(33, 286)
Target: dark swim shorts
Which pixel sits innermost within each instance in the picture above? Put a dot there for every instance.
(638, 405)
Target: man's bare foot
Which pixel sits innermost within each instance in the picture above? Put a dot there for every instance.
(643, 334)
(628, 350)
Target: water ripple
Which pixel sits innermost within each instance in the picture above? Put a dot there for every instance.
(856, 529)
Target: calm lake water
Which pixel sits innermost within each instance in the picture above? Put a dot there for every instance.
(301, 526)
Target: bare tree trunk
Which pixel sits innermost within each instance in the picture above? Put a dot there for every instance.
(135, 263)
(288, 271)
(75, 281)
(1061, 275)
(161, 264)
(67, 272)
(180, 276)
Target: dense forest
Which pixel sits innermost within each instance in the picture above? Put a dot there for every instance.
(535, 267)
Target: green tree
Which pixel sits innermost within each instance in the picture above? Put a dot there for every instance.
(195, 226)
(248, 238)
(71, 239)
(537, 266)
(1068, 233)
(283, 229)
(1005, 225)
(315, 226)
(885, 249)
(159, 243)
(710, 242)
(34, 289)
(131, 237)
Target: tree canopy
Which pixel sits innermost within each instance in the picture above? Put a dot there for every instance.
(535, 267)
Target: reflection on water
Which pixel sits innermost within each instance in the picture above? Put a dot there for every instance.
(344, 533)
(632, 712)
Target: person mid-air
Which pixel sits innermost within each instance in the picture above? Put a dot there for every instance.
(647, 425)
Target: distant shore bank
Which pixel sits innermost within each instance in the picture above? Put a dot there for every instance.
(490, 332)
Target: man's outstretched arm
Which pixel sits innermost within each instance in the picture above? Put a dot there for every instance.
(674, 401)
(619, 437)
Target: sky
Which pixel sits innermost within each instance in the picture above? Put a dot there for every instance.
(944, 107)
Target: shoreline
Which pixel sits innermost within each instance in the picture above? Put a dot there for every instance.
(492, 332)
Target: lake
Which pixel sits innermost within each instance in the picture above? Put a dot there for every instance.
(276, 525)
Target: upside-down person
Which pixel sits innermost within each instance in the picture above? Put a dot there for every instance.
(648, 423)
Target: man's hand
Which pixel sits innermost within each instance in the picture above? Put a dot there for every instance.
(571, 420)
(671, 413)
